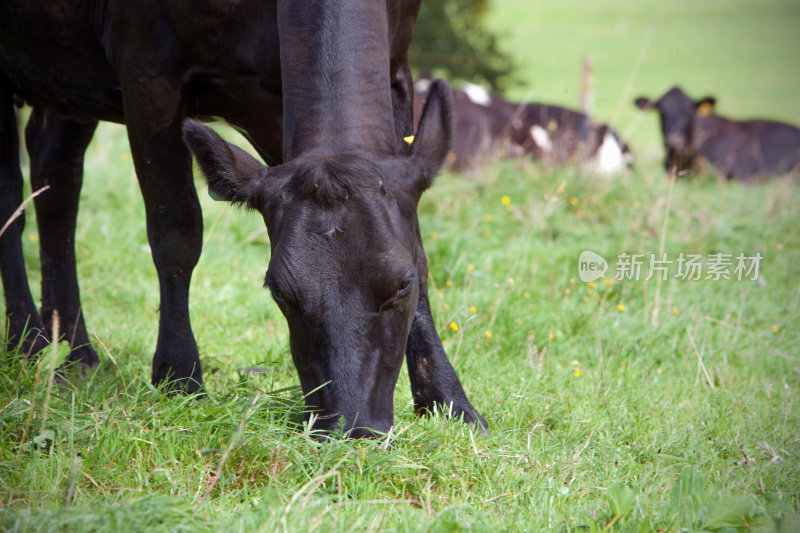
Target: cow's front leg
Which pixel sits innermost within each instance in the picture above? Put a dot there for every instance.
(433, 380)
(153, 115)
(24, 325)
(56, 148)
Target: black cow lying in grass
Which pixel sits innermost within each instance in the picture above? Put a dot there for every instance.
(694, 136)
(488, 126)
(324, 92)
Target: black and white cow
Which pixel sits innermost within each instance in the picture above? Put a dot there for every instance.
(487, 126)
(695, 137)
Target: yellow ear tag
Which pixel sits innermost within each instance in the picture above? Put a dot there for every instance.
(409, 139)
(705, 109)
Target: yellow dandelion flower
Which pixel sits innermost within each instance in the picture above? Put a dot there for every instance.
(572, 281)
(675, 311)
(448, 283)
(592, 284)
(551, 336)
(473, 309)
(439, 294)
(526, 295)
(607, 282)
(620, 307)
(774, 328)
(32, 237)
(488, 334)
(453, 326)
(505, 200)
(470, 268)
(577, 372)
(574, 200)
(446, 305)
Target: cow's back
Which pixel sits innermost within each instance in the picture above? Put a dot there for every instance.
(68, 54)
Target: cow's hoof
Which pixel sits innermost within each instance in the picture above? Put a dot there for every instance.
(34, 342)
(175, 386)
(459, 411)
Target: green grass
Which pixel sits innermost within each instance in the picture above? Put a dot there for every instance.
(686, 421)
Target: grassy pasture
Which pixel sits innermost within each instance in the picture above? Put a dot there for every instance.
(629, 406)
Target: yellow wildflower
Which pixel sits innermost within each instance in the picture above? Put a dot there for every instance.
(488, 334)
(774, 328)
(453, 326)
(620, 307)
(574, 200)
(607, 282)
(448, 283)
(591, 284)
(470, 268)
(577, 372)
(473, 309)
(505, 200)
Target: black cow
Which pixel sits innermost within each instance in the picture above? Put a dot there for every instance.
(745, 150)
(323, 91)
(488, 126)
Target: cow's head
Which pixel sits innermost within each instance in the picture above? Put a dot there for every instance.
(344, 257)
(679, 115)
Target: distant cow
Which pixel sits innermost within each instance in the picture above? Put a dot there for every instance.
(488, 126)
(745, 150)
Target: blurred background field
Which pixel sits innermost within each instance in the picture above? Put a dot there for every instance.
(621, 406)
(742, 52)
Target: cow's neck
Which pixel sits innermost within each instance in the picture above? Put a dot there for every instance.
(335, 71)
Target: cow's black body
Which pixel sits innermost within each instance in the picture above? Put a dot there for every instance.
(324, 87)
(744, 150)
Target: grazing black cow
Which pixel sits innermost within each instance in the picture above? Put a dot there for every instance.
(488, 126)
(324, 92)
(745, 150)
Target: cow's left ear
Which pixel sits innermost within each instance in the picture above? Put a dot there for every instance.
(705, 106)
(645, 104)
(434, 137)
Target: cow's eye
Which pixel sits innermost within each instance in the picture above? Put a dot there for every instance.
(277, 295)
(404, 289)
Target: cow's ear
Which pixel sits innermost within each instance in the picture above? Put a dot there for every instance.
(232, 174)
(705, 106)
(434, 137)
(645, 104)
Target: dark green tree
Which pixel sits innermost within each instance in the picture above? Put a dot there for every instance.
(451, 40)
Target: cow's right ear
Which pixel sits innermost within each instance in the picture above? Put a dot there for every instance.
(645, 104)
(705, 106)
(233, 175)
(434, 137)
